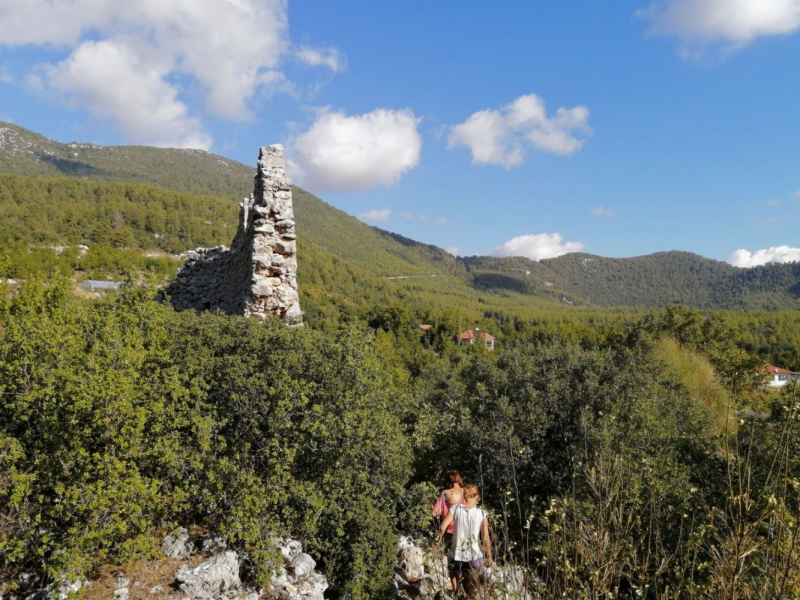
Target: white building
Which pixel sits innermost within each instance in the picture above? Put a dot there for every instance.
(470, 336)
(779, 377)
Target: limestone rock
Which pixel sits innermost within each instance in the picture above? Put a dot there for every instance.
(289, 548)
(412, 562)
(211, 578)
(261, 288)
(178, 544)
(212, 543)
(301, 567)
(285, 247)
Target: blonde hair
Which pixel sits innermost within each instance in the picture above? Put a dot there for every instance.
(472, 491)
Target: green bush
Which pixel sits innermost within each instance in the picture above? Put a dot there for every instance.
(121, 416)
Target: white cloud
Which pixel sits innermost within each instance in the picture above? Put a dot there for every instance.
(423, 218)
(452, 250)
(345, 153)
(113, 84)
(796, 194)
(376, 216)
(5, 75)
(231, 50)
(537, 247)
(322, 57)
(776, 254)
(500, 136)
(602, 212)
(727, 24)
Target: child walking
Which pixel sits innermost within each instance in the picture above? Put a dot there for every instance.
(466, 557)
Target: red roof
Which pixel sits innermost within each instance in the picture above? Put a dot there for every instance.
(471, 334)
(426, 327)
(778, 370)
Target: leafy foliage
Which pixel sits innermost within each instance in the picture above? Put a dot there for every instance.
(120, 415)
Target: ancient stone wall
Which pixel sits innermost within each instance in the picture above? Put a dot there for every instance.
(257, 275)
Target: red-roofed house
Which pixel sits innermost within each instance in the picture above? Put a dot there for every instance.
(471, 335)
(779, 377)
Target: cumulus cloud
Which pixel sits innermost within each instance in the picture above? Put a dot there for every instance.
(538, 247)
(229, 49)
(776, 254)
(602, 212)
(376, 216)
(500, 136)
(350, 153)
(322, 57)
(112, 82)
(727, 24)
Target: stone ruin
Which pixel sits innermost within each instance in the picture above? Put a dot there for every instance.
(257, 275)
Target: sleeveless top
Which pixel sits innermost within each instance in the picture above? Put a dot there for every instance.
(467, 533)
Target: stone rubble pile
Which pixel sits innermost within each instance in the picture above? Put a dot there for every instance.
(297, 579)
(422, 573)
(257, 275)
(217, 578)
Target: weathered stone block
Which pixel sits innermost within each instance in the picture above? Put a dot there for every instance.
(262, 288)
(285, 247)
(265, 228)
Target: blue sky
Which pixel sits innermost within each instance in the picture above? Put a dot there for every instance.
(620, 128)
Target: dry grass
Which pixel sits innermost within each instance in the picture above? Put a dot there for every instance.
(144, 575)
(696, 375)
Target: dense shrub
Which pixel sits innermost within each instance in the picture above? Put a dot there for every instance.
(633, 461)
(121, 416)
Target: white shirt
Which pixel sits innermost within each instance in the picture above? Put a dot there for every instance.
(466, 533)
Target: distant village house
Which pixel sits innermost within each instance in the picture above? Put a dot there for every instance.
(779, 377)
(470, 336)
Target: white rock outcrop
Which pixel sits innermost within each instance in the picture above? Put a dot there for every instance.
(422, 573)
(297, 579)
(214, 578)
(178, 544)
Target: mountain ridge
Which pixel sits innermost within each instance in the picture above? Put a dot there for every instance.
(649, 280)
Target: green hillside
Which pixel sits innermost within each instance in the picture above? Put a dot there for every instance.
(190, 171)
(107, 200)
(677, 278)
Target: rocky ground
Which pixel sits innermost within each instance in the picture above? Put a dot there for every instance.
(192, 569)
(421, 572)
(204, 568)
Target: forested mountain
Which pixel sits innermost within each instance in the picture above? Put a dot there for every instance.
(678, 278)
(196, 203)
(650, 281)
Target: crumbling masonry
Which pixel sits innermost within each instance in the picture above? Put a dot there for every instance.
(257, 275)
